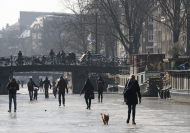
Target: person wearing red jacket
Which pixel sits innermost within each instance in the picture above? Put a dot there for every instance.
(62, 85)
(12, 87)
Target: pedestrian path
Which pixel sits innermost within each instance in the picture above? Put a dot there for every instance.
(45, 116)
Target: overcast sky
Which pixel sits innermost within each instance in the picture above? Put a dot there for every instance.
(9, 9)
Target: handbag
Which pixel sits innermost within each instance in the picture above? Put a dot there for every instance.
(125, 100)
(92, 95)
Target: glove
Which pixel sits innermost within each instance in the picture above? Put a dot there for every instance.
(139, 101)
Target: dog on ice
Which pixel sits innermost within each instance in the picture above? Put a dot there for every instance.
(105, 118)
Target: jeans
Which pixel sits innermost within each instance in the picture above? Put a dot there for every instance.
(35, 96)
(100, 94)
(63, 97)
(129, 111)
(31, 94)
(88, 103)
(12, 96)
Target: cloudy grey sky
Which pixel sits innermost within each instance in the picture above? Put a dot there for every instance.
(9, 9)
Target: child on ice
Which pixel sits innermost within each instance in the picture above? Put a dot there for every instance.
(36, 93)
(54, 91)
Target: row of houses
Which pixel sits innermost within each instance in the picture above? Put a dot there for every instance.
(157, 35)
(33, 31)
(36, 33)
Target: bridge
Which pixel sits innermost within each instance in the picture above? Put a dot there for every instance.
(79, 70)
(79, 73)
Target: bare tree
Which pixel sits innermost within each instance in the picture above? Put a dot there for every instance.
(127, 17)
(10, 41)
(173, 14)
(56, 31)
(176, 50)
(79, 25)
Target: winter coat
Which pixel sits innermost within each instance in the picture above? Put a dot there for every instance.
(31, 88)
(131, 94)
(88, 89)
(12, 87)
(62, 85)
(46, 84)
(100, 84)
(51, 53)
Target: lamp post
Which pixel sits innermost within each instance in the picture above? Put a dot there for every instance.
(96, 33)
(131, 40)
(188, 29)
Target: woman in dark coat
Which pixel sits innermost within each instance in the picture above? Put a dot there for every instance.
(88, 88)
(131, 96)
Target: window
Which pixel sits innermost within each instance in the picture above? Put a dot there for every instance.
(36, 27)
(141, 79)
(150, 20)
(150, 36)
(33, 35)
(39, 35)
(141, 62)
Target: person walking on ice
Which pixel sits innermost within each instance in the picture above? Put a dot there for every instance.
(88, 89)
(12, 87)
(31, 86)
(130, 94)
(100, 88)
(61, 86)
(46, 84)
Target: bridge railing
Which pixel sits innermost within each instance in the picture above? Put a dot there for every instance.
(47, 60)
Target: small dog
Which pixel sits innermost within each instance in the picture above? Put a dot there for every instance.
(105, 118)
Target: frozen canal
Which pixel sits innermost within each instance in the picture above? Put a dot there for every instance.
(153, 115)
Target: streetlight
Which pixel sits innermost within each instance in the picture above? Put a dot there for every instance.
(96, 33)
(131, 40)
(188, 29)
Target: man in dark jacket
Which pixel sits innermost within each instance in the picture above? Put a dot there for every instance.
(63, 56)
(73, 57)
(62, 85)
(100, 86)
(88, 88)
(20, 59)
(51, 54)
(31, 85)
(12, 87)
(46, 83)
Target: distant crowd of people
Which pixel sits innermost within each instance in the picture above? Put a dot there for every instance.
(61, 57)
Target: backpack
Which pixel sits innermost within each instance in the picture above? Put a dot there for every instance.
(30, 85)
(99, 83)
